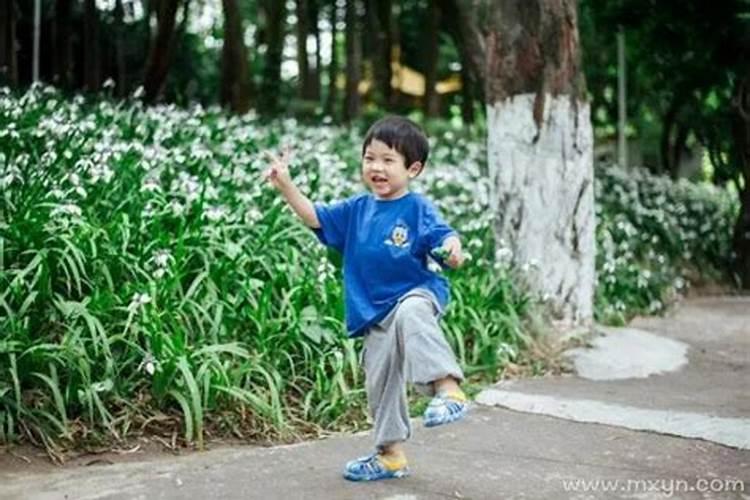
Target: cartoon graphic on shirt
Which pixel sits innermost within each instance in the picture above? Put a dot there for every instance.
(399, 236)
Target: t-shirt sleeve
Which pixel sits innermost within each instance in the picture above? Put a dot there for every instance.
(334, 223)
(433, 228)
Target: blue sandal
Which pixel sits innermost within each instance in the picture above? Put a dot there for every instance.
(445, 408)
(372, 468)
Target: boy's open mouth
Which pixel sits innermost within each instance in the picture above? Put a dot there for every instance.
(378, 179)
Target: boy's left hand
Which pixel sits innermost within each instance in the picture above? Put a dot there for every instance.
(454, 255)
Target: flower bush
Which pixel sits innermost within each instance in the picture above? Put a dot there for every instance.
(150, 279)
(652, 235)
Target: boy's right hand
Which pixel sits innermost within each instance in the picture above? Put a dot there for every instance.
(278, 171)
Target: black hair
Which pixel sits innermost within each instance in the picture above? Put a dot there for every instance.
(401, 134)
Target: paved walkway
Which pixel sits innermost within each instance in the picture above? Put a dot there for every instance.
(682, 380)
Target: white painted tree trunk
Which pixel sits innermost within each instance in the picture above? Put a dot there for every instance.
(544, 198)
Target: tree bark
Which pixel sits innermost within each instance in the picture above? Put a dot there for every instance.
(431, 64)
(353, 60)
(160, 53)
(8, 43)
(275, 12)
(741, 135)
(540, 146)
(91, 47)
(235, 77)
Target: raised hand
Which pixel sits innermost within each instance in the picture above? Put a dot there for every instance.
(278, 170)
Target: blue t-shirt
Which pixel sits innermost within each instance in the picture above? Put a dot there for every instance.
(385, 244)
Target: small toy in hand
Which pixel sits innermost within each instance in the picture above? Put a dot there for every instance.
(441, 253)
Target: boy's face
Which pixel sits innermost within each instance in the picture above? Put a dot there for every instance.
(384, 171)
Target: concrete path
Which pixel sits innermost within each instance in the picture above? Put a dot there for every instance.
(546, 448)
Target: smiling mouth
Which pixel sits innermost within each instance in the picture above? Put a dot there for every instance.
(379, 180)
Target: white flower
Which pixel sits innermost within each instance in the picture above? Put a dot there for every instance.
(215, 214)
(151, 185)
(177, 208)
(139, 300)
(66, 209)
(253, 215)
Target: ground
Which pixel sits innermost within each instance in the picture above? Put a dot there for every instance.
(675, 424)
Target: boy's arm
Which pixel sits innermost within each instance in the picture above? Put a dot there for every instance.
(278, 175)
(301, 205)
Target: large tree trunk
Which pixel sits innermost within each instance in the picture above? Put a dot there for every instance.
(353, 59)
(432, 44)
(540, 148)
(741, 132)
(160, 53)
(8, 42)
(274, 12)
(235, 77)
(91, 47)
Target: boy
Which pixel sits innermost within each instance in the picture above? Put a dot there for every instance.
(391, 297)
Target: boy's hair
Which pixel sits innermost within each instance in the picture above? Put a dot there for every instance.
(401, 134)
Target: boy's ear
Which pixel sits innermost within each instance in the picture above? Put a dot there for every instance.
(415, 169)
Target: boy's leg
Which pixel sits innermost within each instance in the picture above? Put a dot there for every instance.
(386, 396)
(386, 385)
(407, 345)
(430, 362)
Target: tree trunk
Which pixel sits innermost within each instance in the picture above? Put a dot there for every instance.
(467, 95)
(741, 133)
(8, 43)
(379, 30)
(468, 80)
(235, 82)
(680, 143)
(333, 67)
(665, 141)
(315, 31)
(431, 64)
(303, 30)
(160, 53)
(275, 12)
(540, 147)
(63, 61)
(353, 60)
(121, 82)
(91, 47)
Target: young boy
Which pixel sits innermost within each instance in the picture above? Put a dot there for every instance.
(391, 297)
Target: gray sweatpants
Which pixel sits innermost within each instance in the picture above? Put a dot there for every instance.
(406, 346)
